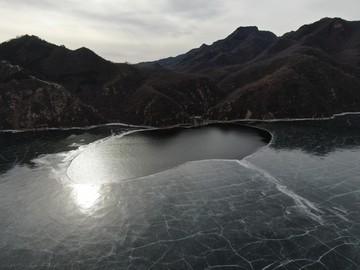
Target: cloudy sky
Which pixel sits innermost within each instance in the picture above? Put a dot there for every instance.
(142, 30)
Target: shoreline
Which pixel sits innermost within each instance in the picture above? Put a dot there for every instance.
(209, 122)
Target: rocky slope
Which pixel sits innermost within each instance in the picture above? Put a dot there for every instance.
(311, 72)
(27, 102)
(239, 48)
(118, 92)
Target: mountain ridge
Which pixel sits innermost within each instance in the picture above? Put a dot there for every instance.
(118, 92)
(311, 72)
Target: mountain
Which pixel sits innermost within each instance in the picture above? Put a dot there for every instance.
(251, 74)
(312, 72)
(240, 47)
(211, 61)
(118, 92)
(27, 102)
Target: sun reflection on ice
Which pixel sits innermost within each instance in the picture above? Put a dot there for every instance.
(86, 196)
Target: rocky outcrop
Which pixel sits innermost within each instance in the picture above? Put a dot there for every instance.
(27, 102)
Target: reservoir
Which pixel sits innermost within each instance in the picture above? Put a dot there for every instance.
(214, 197)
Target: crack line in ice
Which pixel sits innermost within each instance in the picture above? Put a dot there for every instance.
(224, 266)
(237, 253)
(305, 205)
(162, 257)
(333, 249)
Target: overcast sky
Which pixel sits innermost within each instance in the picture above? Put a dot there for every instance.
(142, 30)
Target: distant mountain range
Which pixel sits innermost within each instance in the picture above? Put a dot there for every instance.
(251, 74)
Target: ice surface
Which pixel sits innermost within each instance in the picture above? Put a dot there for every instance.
(292, 205)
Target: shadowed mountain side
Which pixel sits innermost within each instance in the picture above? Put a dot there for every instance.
(251, 74)
(311, 72)
(239, 48)
(336, 37)
(168, 98)
(119, 92)
(300, 85)
(27, 102)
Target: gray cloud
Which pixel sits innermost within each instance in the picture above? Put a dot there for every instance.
(140, 30)
(196, 9)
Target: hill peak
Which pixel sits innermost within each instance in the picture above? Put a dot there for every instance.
(324, 27)
(246, 30)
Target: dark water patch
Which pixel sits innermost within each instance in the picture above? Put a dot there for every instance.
(145, 153)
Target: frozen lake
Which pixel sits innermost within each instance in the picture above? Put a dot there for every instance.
(207, 198)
